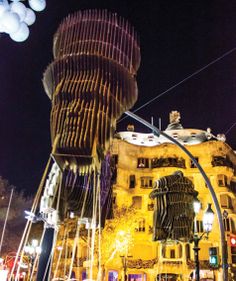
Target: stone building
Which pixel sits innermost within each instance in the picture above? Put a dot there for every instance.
(141, 159)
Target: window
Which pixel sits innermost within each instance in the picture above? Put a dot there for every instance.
(172, 251)
(140, 226)
(226, 222)
(112, 275)
(132, 181)
(192, 165)
(143, 163)
(222, 180)
(146, 182)
(115, 159)
(233, 186)
(229, 225)
(226, 201)
(233, 254)
(136, 277)
(84, 275)
(233, 229)
(137, 202)
(221, 161)
(150, 206)
(199, 225)
(187, 251)
(172, 254)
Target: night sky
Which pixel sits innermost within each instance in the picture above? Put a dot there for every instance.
(177, 39)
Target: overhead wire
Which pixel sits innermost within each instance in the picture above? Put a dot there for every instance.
(181, 82)
(230, 128)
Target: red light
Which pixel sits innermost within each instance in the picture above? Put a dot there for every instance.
(233, 241)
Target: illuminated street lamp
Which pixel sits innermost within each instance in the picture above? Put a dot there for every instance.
(32, 251)
(208, 219)
(196, 205)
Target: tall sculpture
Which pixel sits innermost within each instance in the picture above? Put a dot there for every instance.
(91, 82)
(173, 215)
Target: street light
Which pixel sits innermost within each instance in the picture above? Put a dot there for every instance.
(32, 251)
(208, 218)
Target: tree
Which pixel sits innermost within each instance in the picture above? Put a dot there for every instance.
(118, 233)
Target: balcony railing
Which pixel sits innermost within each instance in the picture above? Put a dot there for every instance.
(168, 162)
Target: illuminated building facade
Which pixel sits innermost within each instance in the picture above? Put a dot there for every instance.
(140, 160)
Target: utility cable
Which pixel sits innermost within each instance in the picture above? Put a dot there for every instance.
(181, 82)
(230, 128)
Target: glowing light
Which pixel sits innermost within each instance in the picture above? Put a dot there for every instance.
(233, 241)
(18, 8)
(37, 5)
(30, 17)
(4, 6)
(208, 219)
(22, 33)
(10, 22)
(35, 243)
(59, 248)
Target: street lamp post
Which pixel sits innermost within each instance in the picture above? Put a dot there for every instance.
(124, 263)
(207, 181)
(208, 218)
(32, 251)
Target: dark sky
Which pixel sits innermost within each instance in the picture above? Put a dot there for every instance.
(177, 38)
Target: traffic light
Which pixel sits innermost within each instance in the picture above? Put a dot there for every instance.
(232, 241)
(233, 248)
(213, 257)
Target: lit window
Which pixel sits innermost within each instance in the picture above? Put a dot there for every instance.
(136, 277)
(172, 254)
(140, 226)
(222, 180)
(112, 275)
(225, 201)
(137, 202)
(143, 163)
(146, 182)
(229, 225)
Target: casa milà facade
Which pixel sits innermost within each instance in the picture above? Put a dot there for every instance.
(141, 159)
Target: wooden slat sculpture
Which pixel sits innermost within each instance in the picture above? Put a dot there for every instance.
(91, 82)
(92, 79)
(173, 215)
